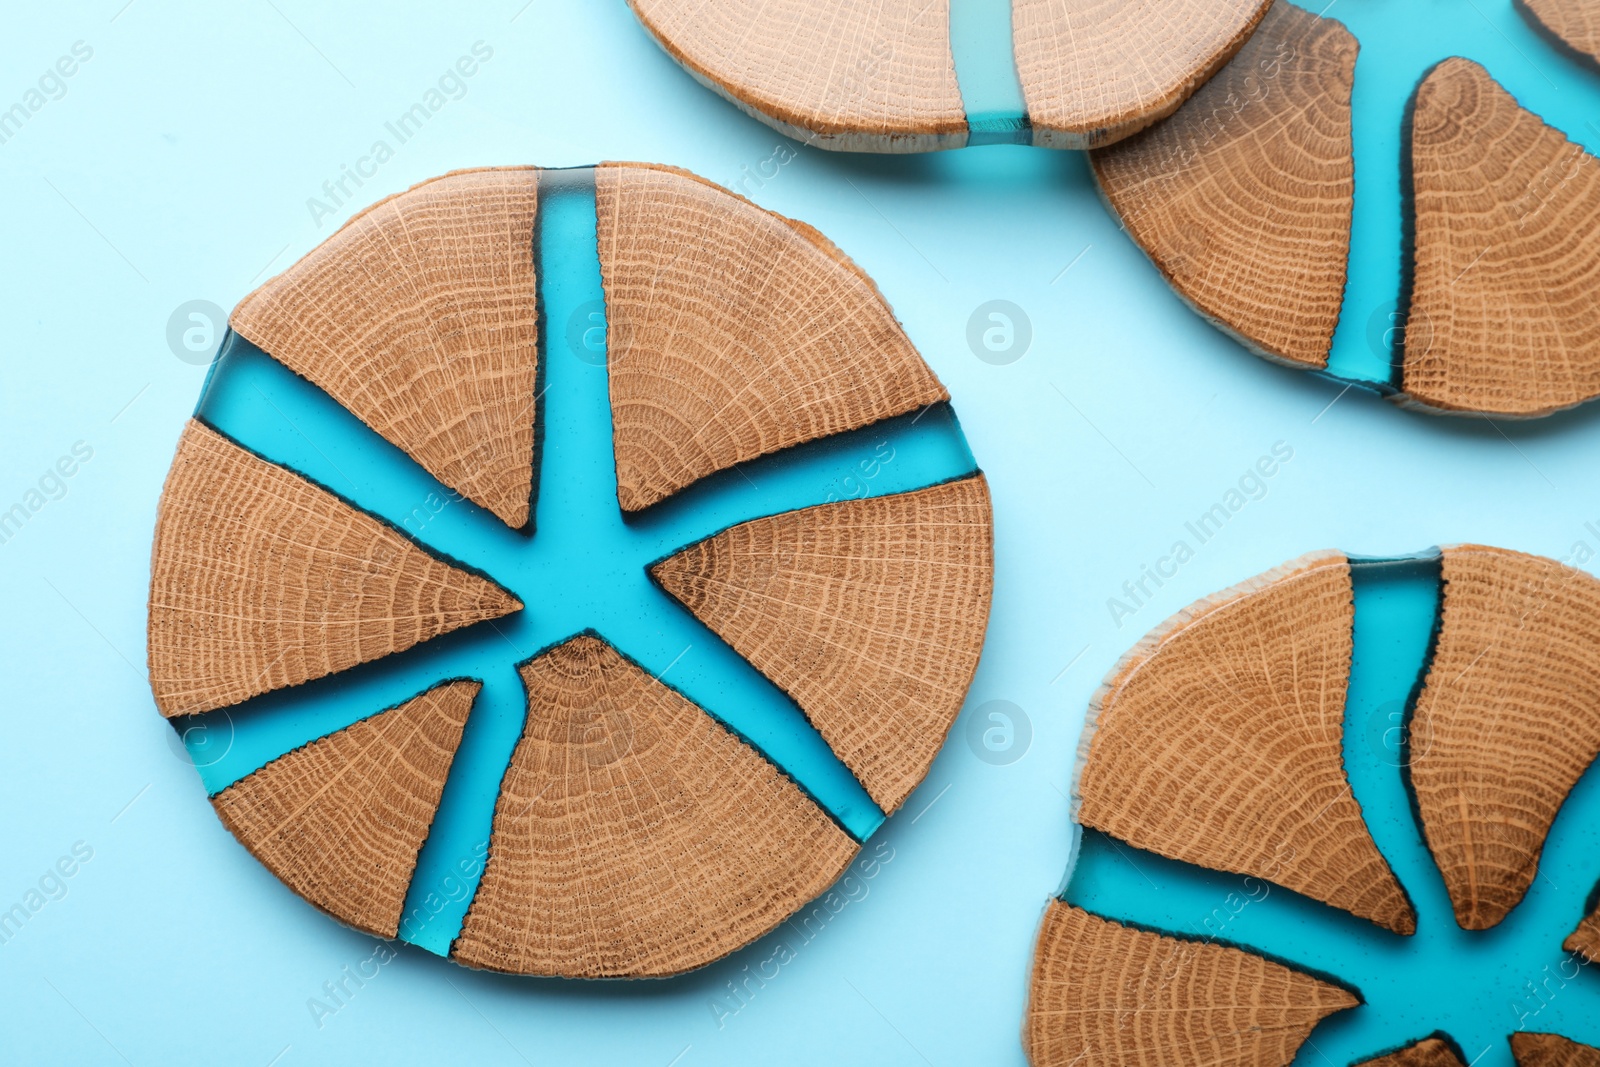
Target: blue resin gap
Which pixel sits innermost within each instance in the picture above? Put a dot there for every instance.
(986, 71)
(1477, 987)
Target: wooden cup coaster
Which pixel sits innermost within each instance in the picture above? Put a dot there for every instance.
(1429, 1052)
(1552, 1050)
(635, 834)
(1218, 741)
(1585, 940)
(861, 76)
(1575, 23)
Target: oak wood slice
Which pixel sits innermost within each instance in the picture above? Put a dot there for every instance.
(1507, 721)
(1243, 198)
(1095, 71)
(1575, 23)
(869, 613)
(635, 836)
(851, 75)
(1429, 1052)
(1552, 1050)
(420, 317)
(1585, 940)
(1218, 741)
(1507, 260)
(341, 820)
(1107, 995)
(734, 332)
(261, 580)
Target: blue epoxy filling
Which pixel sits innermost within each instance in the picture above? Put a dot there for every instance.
(581, 568)
(1476, 987)
(1400, 43)
(986, 71)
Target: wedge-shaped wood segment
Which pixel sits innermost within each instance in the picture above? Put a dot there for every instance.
(341, 820)
(1507, 721)
(261, 580)
(420, 317)
(1095, 71)
(1576, 23)
(1552, 1050)
(1503, 318)
(852, 75)
(1106, 995)
(1429, 1052)
(1586, 938)
(869, 613)
(734, 332)
(634, 835)
(1243, 197)
(1218, 741)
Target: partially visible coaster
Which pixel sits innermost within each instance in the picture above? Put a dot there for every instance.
(509, 336)
(1215, 771)
(1552, 1050)
(910, 76)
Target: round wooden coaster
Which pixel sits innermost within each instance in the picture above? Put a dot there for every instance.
(860, 76)
(635, 833)
(1219, 741)
(1552, 1050)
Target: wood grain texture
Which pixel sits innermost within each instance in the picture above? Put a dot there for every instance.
(634, 835)
(1575, 23)
(1429, 1052)
(1507, 259)
(419, 316)
(1552, 1050)
(1218, 741)
(869, 613)
(850, 75)
(1507, 721)
(1096, 71)
(1106, 995)
(261, 580)
(1243, 198)
(1585, 940)
(734, 332)
(341, 820)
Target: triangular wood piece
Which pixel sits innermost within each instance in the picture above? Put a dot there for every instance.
(1552, 1050)
(1585, 940)
(1503, 318)
(1218, 741)
(420, 317)
(869, 613)
(341, 820)
(1095, 71)
(1575, 23)
(1243, 197)
(634, 835)
(1429, 1052)
(261, 580)
(850, 75)
(1107, 995)
(1507, 720)
(734, 332)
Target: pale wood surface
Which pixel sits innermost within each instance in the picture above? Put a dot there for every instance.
(869, 613)
(1507, 721)
(734, 332)
(1430, 1052)
(634, 835)
(1095, 71)
(1503, 318)
(1106, 995)
(853, 75)
(1552, 1050)
(261, 580)
(1218, 741)
(1243, 197)
(341, 820)
(1576, 23)
(419, 316)
(1586, 938)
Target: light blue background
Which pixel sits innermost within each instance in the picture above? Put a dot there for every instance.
(178, 165)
